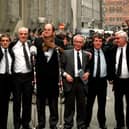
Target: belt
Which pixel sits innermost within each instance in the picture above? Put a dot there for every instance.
(77, 78)
(23, 74)
(99, 78)
(4, 75)
(122, 78)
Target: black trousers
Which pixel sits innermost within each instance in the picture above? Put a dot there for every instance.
(47, 90)
(75, 98)
(53, 108)
(22, 93)
(5, 89)
(121, 89)
(97, 88)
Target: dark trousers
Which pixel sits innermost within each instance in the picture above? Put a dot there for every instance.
(53, 108)
(75, 96)
(22, 93)
(97, 87)
(121, 88)
(5, 89)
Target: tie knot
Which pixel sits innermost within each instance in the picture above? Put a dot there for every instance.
(23, 44)
(5, 49)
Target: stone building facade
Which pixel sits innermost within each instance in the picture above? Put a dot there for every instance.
(33, 13)
(116, 13)
(75, 14)
(91, 15)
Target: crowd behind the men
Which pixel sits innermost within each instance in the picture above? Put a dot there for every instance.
(99, 62)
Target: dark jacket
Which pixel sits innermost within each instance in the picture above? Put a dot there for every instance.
(47, 72)
(68, 66)
(12, 44)
(11, 54)
(113, 61)
(107, 58)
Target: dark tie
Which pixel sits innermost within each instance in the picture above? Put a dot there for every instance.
(26, 57)
(78, 61)
(6, 62)
(98, 65)
(120, 63)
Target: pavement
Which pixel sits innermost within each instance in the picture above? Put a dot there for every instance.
(94, 123)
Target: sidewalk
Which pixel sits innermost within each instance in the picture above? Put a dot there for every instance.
(94, 123)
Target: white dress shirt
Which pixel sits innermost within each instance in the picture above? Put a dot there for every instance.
(20, 64)
(75, 62)
(103, 65)
(49, 53)
(2, 63)
(124, 70)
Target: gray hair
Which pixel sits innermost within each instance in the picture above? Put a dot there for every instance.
(122, 34)
(78, 35)
(23, 28)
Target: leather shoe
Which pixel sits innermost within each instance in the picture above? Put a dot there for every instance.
(54, 127)
(82, 128)
(103, 127)
(66, 128)
(119, 128)
(26, 128)
(39, 127)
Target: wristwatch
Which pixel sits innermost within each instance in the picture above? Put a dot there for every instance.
(64, 74)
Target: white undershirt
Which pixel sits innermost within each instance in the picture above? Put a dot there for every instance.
(49, 53)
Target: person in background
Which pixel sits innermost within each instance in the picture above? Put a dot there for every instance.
(73, 61)
(22, 80)
(65, 38)
(5, 78)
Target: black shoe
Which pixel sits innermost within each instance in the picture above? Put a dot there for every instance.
(26, 127)
(103, 127)
(39, 127)
(119, 128)
(17, 127)
(54, 127)
(82, 128)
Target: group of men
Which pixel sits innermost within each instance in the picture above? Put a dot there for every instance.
(84, 76)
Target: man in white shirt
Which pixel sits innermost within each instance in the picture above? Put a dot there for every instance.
(120, 76)
(5, 78)
(22, 80)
